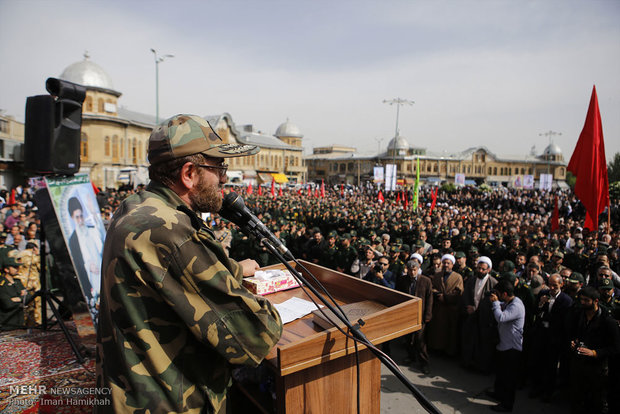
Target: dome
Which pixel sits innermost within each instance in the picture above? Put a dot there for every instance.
(288, 129)
(87, 73)
(552, 149)
(398, 143)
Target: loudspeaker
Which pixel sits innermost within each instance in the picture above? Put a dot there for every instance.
(52, 135)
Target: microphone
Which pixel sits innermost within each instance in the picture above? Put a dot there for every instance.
(235, 210)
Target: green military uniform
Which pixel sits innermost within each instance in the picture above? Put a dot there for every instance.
(613, 304)
(329, 256)
(174, 315)
(9, 291)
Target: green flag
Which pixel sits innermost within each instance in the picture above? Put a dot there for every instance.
(417, 186)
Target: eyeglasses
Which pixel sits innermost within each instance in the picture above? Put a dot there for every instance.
(221, 169)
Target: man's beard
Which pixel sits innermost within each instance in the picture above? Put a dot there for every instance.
(205, 198)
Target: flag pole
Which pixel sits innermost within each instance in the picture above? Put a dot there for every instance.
(609, 216)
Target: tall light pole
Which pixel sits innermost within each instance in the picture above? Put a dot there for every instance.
(398, 102)
(549, 134)
(158, 60)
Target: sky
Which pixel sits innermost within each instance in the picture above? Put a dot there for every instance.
(498, 73)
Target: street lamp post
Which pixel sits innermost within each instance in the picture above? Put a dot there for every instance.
(158, 60)
(398, 102)
(549, 134)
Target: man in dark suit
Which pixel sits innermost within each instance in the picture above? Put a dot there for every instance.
(548, 337)
(416, 284)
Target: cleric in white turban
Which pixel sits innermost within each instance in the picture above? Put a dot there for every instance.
(485, 259)
(448, 257)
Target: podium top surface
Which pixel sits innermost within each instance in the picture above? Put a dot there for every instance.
(305, 344)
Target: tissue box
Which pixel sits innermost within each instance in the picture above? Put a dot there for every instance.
(270, 281)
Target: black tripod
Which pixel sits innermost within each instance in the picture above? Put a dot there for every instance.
(49, 299)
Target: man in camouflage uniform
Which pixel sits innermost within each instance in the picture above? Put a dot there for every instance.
(174, 315)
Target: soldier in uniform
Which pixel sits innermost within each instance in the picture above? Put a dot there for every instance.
(222, 234)
(329, 256)
(12, 294)
(346, 254)
(461, 266)
(174, 314)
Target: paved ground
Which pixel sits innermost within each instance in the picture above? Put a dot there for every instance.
(452, 389)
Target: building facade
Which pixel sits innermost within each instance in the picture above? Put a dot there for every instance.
(114, 141)
(338, 165)
(11, 152)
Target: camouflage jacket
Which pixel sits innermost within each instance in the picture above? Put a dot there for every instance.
(174, 316)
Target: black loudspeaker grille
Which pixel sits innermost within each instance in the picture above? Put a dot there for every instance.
(38, 133)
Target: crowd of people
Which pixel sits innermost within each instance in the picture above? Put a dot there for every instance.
(472, 256)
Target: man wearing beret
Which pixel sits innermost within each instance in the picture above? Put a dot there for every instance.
(13, 294)
(175, 317)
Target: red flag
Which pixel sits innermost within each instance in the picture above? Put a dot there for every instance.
(555, 217)
(273, 187)
(341, 190)
(434, 197)
(322, 189)
(260, 190)
(316, 193)
(95, 189)
(280, 191)
(380, 197)
(406, 203)
(589, 166)
(398, 198)
(250, 188)
(309, 191)
(12, 197)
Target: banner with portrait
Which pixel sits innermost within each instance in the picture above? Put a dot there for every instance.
(378, 175)
(459, 179)
(390, 177)
(80, 221)
(546, 182)
(528, 182)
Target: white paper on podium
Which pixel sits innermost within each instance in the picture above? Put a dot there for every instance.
(294, 308)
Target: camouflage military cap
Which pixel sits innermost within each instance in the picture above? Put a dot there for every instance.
(184, 135)
(419, 244)
(364, 241)
(372, 233)
(559, 254)
(473, 249)
(394, 249)
(333, 234)
(346, 236)
(606, 284)
(405, 248)
(353, 233)
(459, 254)
(398, 241)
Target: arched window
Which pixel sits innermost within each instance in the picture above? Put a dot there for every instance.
(122, 147)
(84, 147)
(106, 146)
(100, 105)
(89, 104)
(140, 153)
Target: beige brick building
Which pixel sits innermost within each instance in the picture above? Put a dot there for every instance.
(115, 140)
(338, 165)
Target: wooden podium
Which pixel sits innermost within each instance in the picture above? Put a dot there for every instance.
(315, 369)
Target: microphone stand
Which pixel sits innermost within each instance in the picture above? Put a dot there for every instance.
(354, 329)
